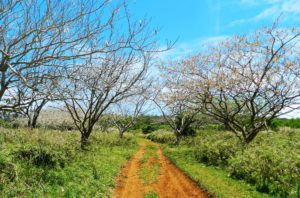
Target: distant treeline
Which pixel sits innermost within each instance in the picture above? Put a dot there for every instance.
(148, 124)
(284, 122)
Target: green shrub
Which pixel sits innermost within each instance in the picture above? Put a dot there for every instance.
(282, 122)
(216, 127)
(148, 124)
(62, 126)
(216, 149)
(113, 139)
(4, 124)
(161, 136)
(271, 163)
(41, 156)
(49, 163)
(189, 132)
(9, 124)
(8, 172)
(149, 128)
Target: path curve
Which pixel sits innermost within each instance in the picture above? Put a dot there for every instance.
(171, 182)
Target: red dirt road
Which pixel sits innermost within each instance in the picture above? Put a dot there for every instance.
(171, 182)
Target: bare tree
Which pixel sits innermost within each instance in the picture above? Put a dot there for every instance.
(105, 123)
(180, 118)
(173, 101)
(126, 113)
(44, 33)
(93, 88)
(32, 108)
(31, 102)
(247, 81)
(90, 86)
(28, 100)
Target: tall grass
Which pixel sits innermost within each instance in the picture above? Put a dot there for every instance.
(47, 163)
(271, 163)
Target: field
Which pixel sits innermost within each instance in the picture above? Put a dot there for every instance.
(99, 99)
(269, 166)
(151, 174)
(43, 162)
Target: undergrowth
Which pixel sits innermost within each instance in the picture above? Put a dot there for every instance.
(271, 163)
(45, 163)
(150, 167)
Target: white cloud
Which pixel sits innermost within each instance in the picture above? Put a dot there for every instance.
(290, 9)
(290, 113)
(257, 2)
(291, 6)
(273, 11)
(187, 48)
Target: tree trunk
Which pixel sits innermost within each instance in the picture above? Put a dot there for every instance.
(34, 119)
(84, 141)
(29, 122)
(177, 138)
(121, 134)
(85, 134)
(251, 136)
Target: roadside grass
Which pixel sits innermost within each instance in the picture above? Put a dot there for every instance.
(270, 163)
(215, 180)
(150, 167)
(45, 163)
(150, 151)
(151, 194)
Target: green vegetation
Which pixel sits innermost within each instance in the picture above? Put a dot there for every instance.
(270, 164)
(161, 136)
(150, 152)
(150, 167)
(281, 122)
(9, 124)
(214, 180)
(38, 163)
(43, 162)
(151, 194)
(148, 124)
(93, 60)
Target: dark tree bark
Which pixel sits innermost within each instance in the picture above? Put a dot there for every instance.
(35, 113)
(84, 140)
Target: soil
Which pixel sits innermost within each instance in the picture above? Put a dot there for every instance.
(171, 181)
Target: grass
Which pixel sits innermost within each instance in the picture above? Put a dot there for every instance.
(44, 163)
(214, 180)
(150, 151)
(270, 164)
(151, 194)
(150, 167)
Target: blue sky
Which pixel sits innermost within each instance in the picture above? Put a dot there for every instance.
(197, 22)
(200, 22)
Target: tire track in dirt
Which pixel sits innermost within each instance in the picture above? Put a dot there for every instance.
(174, 183)
(171, 183)
(129, 183)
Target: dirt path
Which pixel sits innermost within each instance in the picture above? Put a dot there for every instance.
(150, 174)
